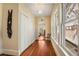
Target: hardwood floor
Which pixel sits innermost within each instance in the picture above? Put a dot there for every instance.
(40, 48)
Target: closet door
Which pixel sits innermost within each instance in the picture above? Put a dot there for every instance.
(24, 33)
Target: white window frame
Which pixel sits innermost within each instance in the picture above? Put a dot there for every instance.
(63, 30)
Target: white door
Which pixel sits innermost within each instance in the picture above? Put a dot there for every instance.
(23, 31)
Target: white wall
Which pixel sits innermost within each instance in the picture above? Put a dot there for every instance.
(0, 28)
(26, 27)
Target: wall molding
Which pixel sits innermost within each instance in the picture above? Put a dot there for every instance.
(10, 52)
(1, 51)
(58, 47)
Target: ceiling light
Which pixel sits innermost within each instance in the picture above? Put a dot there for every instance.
(40, 12)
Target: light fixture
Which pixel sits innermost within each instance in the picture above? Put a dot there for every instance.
(40, 12)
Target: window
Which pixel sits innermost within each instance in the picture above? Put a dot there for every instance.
(70, 27)
(65, 27)
(56, 24)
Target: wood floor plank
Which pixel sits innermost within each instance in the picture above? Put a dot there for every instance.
(40, 48)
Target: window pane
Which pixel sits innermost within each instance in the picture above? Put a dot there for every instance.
(71, 28)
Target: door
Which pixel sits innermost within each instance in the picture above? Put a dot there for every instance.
(24, 29)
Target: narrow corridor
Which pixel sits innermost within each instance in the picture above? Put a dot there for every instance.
(40, 48)
(39, 29)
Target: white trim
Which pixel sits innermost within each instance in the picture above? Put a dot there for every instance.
(70, 51)
(60, 48)
(0, 51)
(10, 52)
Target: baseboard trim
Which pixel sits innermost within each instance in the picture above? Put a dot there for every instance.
(5, 55)
(27, 48)
(10, 52)
(0, 51)
(56, 46)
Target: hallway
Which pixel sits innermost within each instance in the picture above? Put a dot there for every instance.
(39, 29)
(40, 47)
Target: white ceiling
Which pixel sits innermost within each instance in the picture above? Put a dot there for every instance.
(39, 9)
